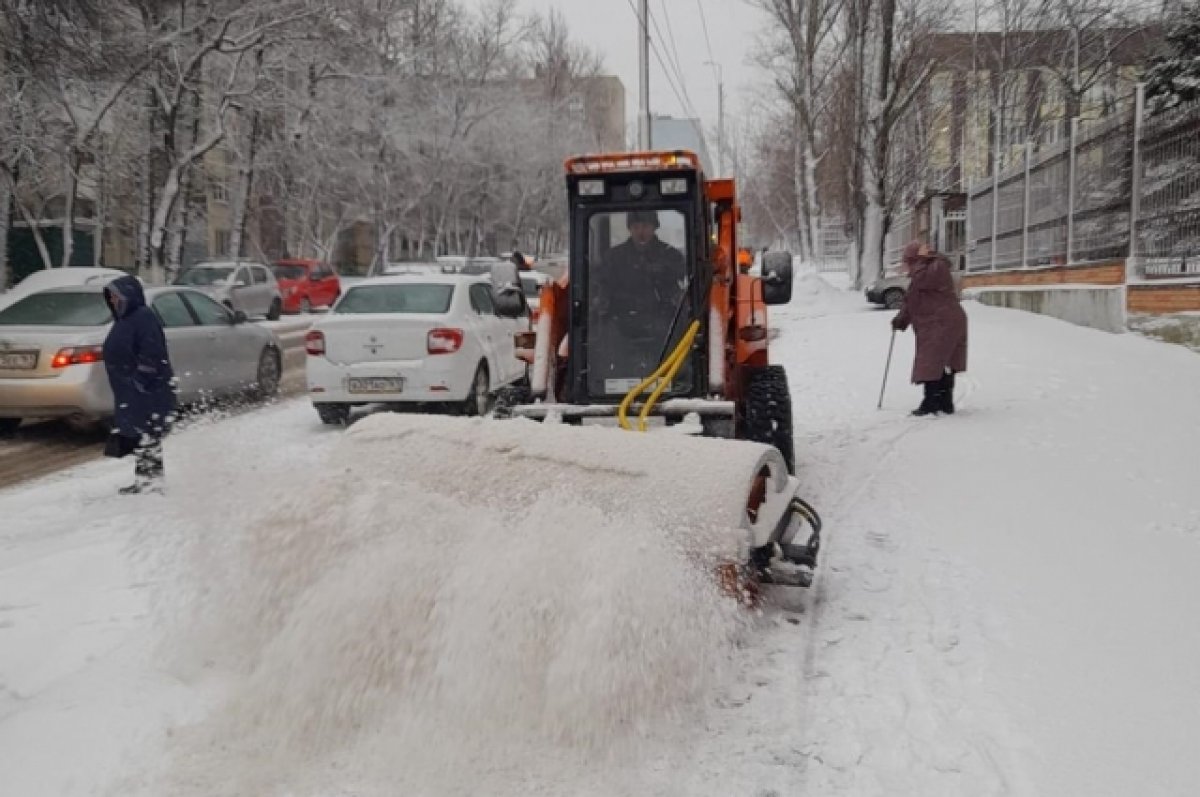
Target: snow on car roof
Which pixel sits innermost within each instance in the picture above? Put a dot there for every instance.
(426, 278)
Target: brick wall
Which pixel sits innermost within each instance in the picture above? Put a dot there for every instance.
(1163, 299)
(1094, 274)
(1142, 299)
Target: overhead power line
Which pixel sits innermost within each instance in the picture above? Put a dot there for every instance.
(667, 73)
(680, 95)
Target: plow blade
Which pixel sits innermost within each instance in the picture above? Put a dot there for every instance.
(721, 500)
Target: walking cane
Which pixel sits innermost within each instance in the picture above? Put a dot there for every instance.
(886, 368)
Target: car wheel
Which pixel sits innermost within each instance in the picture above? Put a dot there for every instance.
(478, 400)
(305, 305)
(275, 311)
(266, 382)
(508, 397)
(333, 414)
(8, 426)
(893, 299)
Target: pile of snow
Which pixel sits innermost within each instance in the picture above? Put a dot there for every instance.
(814, 296)
(446, 591)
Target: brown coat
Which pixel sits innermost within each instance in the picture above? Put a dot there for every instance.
(933, 309)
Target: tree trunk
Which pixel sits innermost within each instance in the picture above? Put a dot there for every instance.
(879, 128)
(10, 180)
(245, 191)
(147, 180)
(72, 192)
(101, 212)
(5, 221)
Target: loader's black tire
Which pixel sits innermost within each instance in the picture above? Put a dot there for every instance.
(767, 411)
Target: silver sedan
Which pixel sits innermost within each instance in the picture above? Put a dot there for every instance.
(51, 351)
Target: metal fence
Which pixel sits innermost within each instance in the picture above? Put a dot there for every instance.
(1067, 202)
(833, 254)
(1168, 207)
(1128, 176)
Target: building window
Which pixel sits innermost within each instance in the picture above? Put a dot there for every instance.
(220, 244)
(219, 191)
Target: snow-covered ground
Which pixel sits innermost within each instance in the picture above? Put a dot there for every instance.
(1005, 606)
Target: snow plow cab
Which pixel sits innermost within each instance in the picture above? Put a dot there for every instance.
(654, 326)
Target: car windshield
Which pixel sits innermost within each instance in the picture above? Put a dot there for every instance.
(206, 275)
(407, 298)
(58, 310)
(290, 272)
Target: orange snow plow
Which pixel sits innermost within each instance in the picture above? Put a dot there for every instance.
(657, 326)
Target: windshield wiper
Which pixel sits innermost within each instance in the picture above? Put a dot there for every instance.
(662, 355)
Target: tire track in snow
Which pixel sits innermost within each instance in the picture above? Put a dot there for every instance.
(892, 649)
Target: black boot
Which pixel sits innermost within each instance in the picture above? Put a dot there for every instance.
(947, 393)
(932, 404)
(148, 469)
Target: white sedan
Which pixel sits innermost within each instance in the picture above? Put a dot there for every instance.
(424, 339)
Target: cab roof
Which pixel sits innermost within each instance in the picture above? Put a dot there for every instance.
(665, 160)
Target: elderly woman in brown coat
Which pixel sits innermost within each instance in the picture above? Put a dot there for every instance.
(932, 307)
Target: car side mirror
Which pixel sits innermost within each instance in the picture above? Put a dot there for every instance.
(507, 294)
(239, 317)
(777, 277)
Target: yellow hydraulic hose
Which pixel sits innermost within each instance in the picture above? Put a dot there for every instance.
(665, 372)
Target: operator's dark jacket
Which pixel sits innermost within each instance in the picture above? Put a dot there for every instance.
(139, 369)
(647, 277)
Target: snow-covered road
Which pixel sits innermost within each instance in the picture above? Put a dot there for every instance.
(1005, 605)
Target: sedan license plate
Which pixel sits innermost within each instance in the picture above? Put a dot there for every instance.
(18, 360)
(376, 384)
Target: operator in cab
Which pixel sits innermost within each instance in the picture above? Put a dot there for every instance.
(651, 273)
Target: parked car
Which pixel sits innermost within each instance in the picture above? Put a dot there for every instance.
(425, 339)
(462, 264)
(396, 267)
(249, 287)
(51, 347)
(56, 278)
(889, 290)
(531, 284)
(305, 284)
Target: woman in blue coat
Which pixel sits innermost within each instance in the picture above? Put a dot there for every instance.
(139, 371)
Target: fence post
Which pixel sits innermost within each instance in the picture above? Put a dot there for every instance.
(1025, 207)
(995, 214)
(1135, 185)
(1073, 144)
(968, 240)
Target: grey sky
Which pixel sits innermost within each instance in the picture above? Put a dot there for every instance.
(610, 27)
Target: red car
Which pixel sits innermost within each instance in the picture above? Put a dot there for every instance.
(306, 284)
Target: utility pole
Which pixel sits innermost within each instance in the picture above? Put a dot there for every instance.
(720, 117)
(644, 139)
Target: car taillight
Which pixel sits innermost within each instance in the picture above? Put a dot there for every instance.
(77, 355)
(314, 342)
(444, 341)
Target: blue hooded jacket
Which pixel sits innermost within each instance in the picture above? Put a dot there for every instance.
(138, 366)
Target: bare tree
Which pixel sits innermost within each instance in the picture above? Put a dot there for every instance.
(798, 58)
